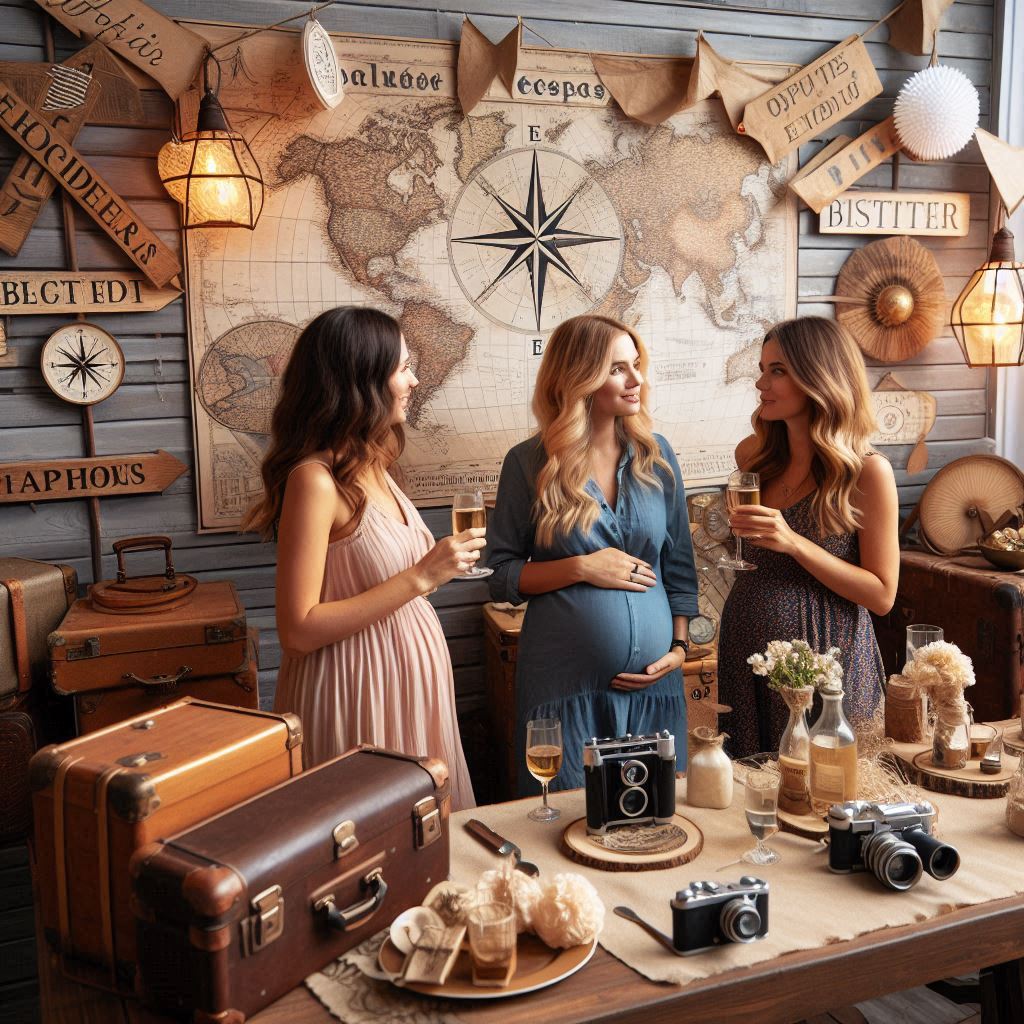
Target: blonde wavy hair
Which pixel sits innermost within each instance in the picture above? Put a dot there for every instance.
(828, 367)
(576, 363)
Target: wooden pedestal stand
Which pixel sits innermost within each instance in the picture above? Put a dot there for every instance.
(580, 846)
(916, 761)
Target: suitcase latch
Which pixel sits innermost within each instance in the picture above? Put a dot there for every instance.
(266, 923)
(345, 840)
(427, 821)
(221, 634)
(90, 648)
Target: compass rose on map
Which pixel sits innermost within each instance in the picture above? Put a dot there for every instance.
(533, 240)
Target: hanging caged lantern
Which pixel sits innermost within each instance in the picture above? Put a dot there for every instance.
(988, 315)
(212, 171)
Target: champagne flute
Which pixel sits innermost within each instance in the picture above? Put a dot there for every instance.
(468, 511)
(544, 760)
(742, 489)
(761, 804)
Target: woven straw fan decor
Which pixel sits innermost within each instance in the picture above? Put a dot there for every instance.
(891, 298)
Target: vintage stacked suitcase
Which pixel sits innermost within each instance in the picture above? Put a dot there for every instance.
(99, 798)
(979, 608)
(238, 910)
(34, 597)
(501, 645)
(137, 643)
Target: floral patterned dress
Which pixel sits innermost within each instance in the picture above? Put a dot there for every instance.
(780, 600)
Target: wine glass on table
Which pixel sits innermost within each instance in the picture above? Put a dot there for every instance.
(468, 512)
(761, 804)
(544, 760)
(742, 489)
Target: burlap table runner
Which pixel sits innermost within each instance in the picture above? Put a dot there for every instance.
(809, 906)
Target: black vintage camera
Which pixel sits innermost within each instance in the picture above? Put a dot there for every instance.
(708, 914)
(630, 780)
(892, 841)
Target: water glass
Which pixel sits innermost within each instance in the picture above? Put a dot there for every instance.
(761, 803)
(492, 942)
(920, 636)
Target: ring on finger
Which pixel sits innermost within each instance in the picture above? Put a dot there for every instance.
(636, 568)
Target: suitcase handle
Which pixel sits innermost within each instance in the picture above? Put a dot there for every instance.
(164, 684)
(343, 920)
(143, 544)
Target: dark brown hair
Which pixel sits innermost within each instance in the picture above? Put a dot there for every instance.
(335, 397)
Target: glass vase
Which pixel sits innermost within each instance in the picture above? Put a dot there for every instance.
(951, 741)
(794, 752)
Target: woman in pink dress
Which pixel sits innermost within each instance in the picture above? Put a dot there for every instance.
(365, 659)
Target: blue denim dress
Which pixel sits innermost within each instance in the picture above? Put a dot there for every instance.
(574, 641)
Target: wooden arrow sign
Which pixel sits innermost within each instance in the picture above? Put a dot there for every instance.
(55, 291)
(105, 476)
(83, 183)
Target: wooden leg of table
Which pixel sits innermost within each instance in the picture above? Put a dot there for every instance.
(1002, 993)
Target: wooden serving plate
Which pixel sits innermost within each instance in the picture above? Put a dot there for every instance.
(916, 761)
(578, 844)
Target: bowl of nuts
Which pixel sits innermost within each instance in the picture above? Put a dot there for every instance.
(1004, 548)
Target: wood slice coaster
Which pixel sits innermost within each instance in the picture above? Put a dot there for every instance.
(916, 761)
(686, 839)
(809, 826)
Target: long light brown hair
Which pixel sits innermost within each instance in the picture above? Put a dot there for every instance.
(336, 397)
(828, 367)
(576, 363)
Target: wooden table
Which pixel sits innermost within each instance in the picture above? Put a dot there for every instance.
(778, 991)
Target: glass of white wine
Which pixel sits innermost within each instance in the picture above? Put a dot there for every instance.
(761, 804)
(742, 489)
(468, 512)
(544, 760)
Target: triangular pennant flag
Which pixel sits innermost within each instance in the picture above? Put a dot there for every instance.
(912, 28)
(480, 60)
(713, 73)
(650, 90)
(1006, 165)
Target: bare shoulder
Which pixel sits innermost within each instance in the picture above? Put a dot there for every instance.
(876, 475)
(745, 451)
(312, 479)
(312, 487)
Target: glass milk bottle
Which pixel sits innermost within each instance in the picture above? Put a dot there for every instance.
(833, 753)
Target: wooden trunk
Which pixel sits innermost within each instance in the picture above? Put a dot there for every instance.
(34, 597)
(979, 609)
(99, 798)
(501, 645)
(237, 911)
(96, 709)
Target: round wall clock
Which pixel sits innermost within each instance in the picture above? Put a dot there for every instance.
(82, 363)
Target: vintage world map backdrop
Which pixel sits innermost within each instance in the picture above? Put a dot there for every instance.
(480, 234)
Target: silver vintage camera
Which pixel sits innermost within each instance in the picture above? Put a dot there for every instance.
(630, 780)
(708, 914)
(892, 841)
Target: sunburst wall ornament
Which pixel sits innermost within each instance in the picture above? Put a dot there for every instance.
(892, 298)
(936, 112)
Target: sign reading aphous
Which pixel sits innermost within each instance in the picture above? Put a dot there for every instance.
(165, 51)
(897, 213)
(44, 291)
(52, 150)
(799, 108)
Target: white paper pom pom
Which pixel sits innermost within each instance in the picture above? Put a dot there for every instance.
(936, 113)
(569, 912)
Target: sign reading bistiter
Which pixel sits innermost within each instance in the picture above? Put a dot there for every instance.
(165, 51)
(52, 150)
(860, 212)
(817, 96)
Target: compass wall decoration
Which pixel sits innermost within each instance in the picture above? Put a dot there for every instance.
(82, 363)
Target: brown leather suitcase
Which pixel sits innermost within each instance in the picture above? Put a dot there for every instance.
(237, 911)
(99, 798)
(34, 597)
(96, 709)
(150, 630)
(979, 608)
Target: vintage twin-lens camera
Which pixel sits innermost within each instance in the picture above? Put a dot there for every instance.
(630, 780)
(892, 841)
(707, 914)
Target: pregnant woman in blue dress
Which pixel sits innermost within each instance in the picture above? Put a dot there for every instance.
(590, 526)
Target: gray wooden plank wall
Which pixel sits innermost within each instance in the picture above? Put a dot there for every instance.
(152, 409)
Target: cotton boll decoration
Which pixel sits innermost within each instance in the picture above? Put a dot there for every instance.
(568, 913)
(936, 113)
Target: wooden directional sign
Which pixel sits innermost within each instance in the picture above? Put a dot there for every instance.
(155, 44)
(55, 291)
(84, 184)
(826, 91)
(860, 212)
(105, 476)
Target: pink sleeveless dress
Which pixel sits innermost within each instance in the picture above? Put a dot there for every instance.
(391, 683)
